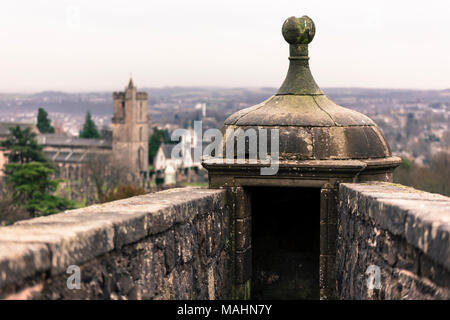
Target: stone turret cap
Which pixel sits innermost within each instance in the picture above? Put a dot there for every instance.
(311, 126)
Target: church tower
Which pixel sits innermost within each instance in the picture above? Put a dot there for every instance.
(130, 129)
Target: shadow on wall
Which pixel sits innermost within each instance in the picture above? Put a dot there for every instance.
(285, 243)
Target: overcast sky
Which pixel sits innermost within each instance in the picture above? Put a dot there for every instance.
(92, 45)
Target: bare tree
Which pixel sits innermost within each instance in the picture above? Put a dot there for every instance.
(10, 212)
(103, 173)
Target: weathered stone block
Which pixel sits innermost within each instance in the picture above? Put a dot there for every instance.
(243, 233)
(395, 233)
(168, 245)
(328, 238)
(243, 265)
(68, 243)
(242, 203)
(21, 260)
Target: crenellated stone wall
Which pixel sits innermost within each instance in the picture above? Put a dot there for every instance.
(397, 233)
(173, 244)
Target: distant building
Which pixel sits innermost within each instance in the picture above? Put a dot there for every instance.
(128, 142)
(163, 158)
(71, 153)
(185, 159)
(202, 108)
(130, 129)
(186, 166)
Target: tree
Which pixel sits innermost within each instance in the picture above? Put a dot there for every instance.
(412, 126)
(10, 212)
(104, 173)
(34, 188)
(43, 122)
(122, 191)
(155, 140)
(28, 175)
(90, 130)
(433, 177)
(23, 146)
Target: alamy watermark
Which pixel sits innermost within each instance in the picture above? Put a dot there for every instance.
(253, 146)
(74, 280)
(373, 280)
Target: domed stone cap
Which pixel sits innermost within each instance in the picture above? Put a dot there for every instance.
(311, 126)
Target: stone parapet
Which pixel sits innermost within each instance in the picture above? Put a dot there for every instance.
(170, 244)
(397, 232)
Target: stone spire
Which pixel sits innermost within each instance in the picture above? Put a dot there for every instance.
(130, 83)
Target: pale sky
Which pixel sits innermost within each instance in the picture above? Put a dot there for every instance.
(90, 45)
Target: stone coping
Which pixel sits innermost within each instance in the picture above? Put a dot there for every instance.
(52, 243)
(422, 218)
(317, 165)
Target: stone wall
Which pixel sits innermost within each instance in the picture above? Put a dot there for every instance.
(169, 245)
(399, 232)
(177, 244)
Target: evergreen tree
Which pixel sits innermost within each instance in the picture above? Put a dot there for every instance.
(43, 122)
(28, 174)
(90, 130)
(155, 140)
(23, 146)
(33, 188)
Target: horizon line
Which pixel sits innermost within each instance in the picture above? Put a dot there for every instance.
(214, 87)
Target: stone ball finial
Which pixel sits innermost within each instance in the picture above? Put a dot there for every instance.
(299, 30)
